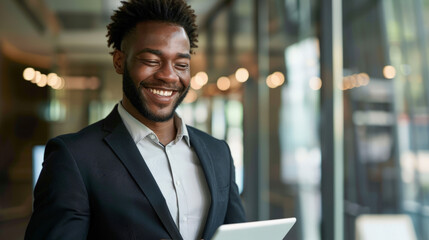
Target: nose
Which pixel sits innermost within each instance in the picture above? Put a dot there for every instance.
(167, 73)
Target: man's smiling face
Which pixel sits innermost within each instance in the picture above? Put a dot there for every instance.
(156, 69)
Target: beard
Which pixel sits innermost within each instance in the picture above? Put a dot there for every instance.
(134, 95)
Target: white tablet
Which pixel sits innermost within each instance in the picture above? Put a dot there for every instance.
(269, 229)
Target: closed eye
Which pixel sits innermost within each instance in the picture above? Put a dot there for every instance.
(183, 66)
(150, 62)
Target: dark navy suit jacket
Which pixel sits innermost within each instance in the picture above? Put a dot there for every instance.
(96, 185)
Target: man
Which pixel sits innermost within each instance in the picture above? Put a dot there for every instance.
(140, 173)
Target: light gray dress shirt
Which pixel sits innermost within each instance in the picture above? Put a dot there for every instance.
(177, 171)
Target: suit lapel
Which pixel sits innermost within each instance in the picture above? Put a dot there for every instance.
(123, 145)
(206, 162)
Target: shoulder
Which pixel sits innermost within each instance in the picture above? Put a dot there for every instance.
(94, 132)
(85, 133)
(82, 148)
(83, 139)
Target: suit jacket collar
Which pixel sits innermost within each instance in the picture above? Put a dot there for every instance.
(203, 153)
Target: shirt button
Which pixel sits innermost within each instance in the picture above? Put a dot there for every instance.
(177, 183)
(185, 219)
(152, 137)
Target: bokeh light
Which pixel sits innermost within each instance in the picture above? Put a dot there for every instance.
(242, 74)
(270, 83)
(275, 80)
(279, 78)
(315, 83)
(223, 83)
(389, 72)
(195, 85)
(29, 73)
(43, 81)
(201, 78)
(191, 96)
(37, 77)
(52, 79)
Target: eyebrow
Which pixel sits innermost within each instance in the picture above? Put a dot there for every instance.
(159, 53)
(184, 55)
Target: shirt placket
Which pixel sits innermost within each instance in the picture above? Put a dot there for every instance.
(173, 174)
(180, 191)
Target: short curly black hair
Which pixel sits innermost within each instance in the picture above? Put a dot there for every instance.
(125, 19)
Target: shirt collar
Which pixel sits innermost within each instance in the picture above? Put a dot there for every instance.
(182, 130)
(139, 131)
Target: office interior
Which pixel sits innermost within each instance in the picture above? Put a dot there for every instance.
(324, 104)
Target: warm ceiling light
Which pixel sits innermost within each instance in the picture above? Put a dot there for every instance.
(270, 83)
(315, 83)
(191, 96)
(63, 83)
(362, 79)
(347, 83)
(389, 72)
(279, 78)
(201, 78)
(59, 84)
(195, 85)
(353, 80)
(29, 73)
(275, 80)
(37, 77)
(43, 81)
(366, 79)
(52, 79)
(223, 83)
(242, 74)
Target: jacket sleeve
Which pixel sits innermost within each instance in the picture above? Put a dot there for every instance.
(61, 206)
(235, 212)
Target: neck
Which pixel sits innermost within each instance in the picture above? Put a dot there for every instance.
(165, 131)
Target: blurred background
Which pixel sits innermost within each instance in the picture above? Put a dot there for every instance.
(324, 104)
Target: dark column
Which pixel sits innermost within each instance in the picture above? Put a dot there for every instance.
(332, 120)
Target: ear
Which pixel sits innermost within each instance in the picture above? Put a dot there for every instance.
(119, 61)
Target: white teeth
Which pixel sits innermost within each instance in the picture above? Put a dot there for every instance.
(161, 92)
